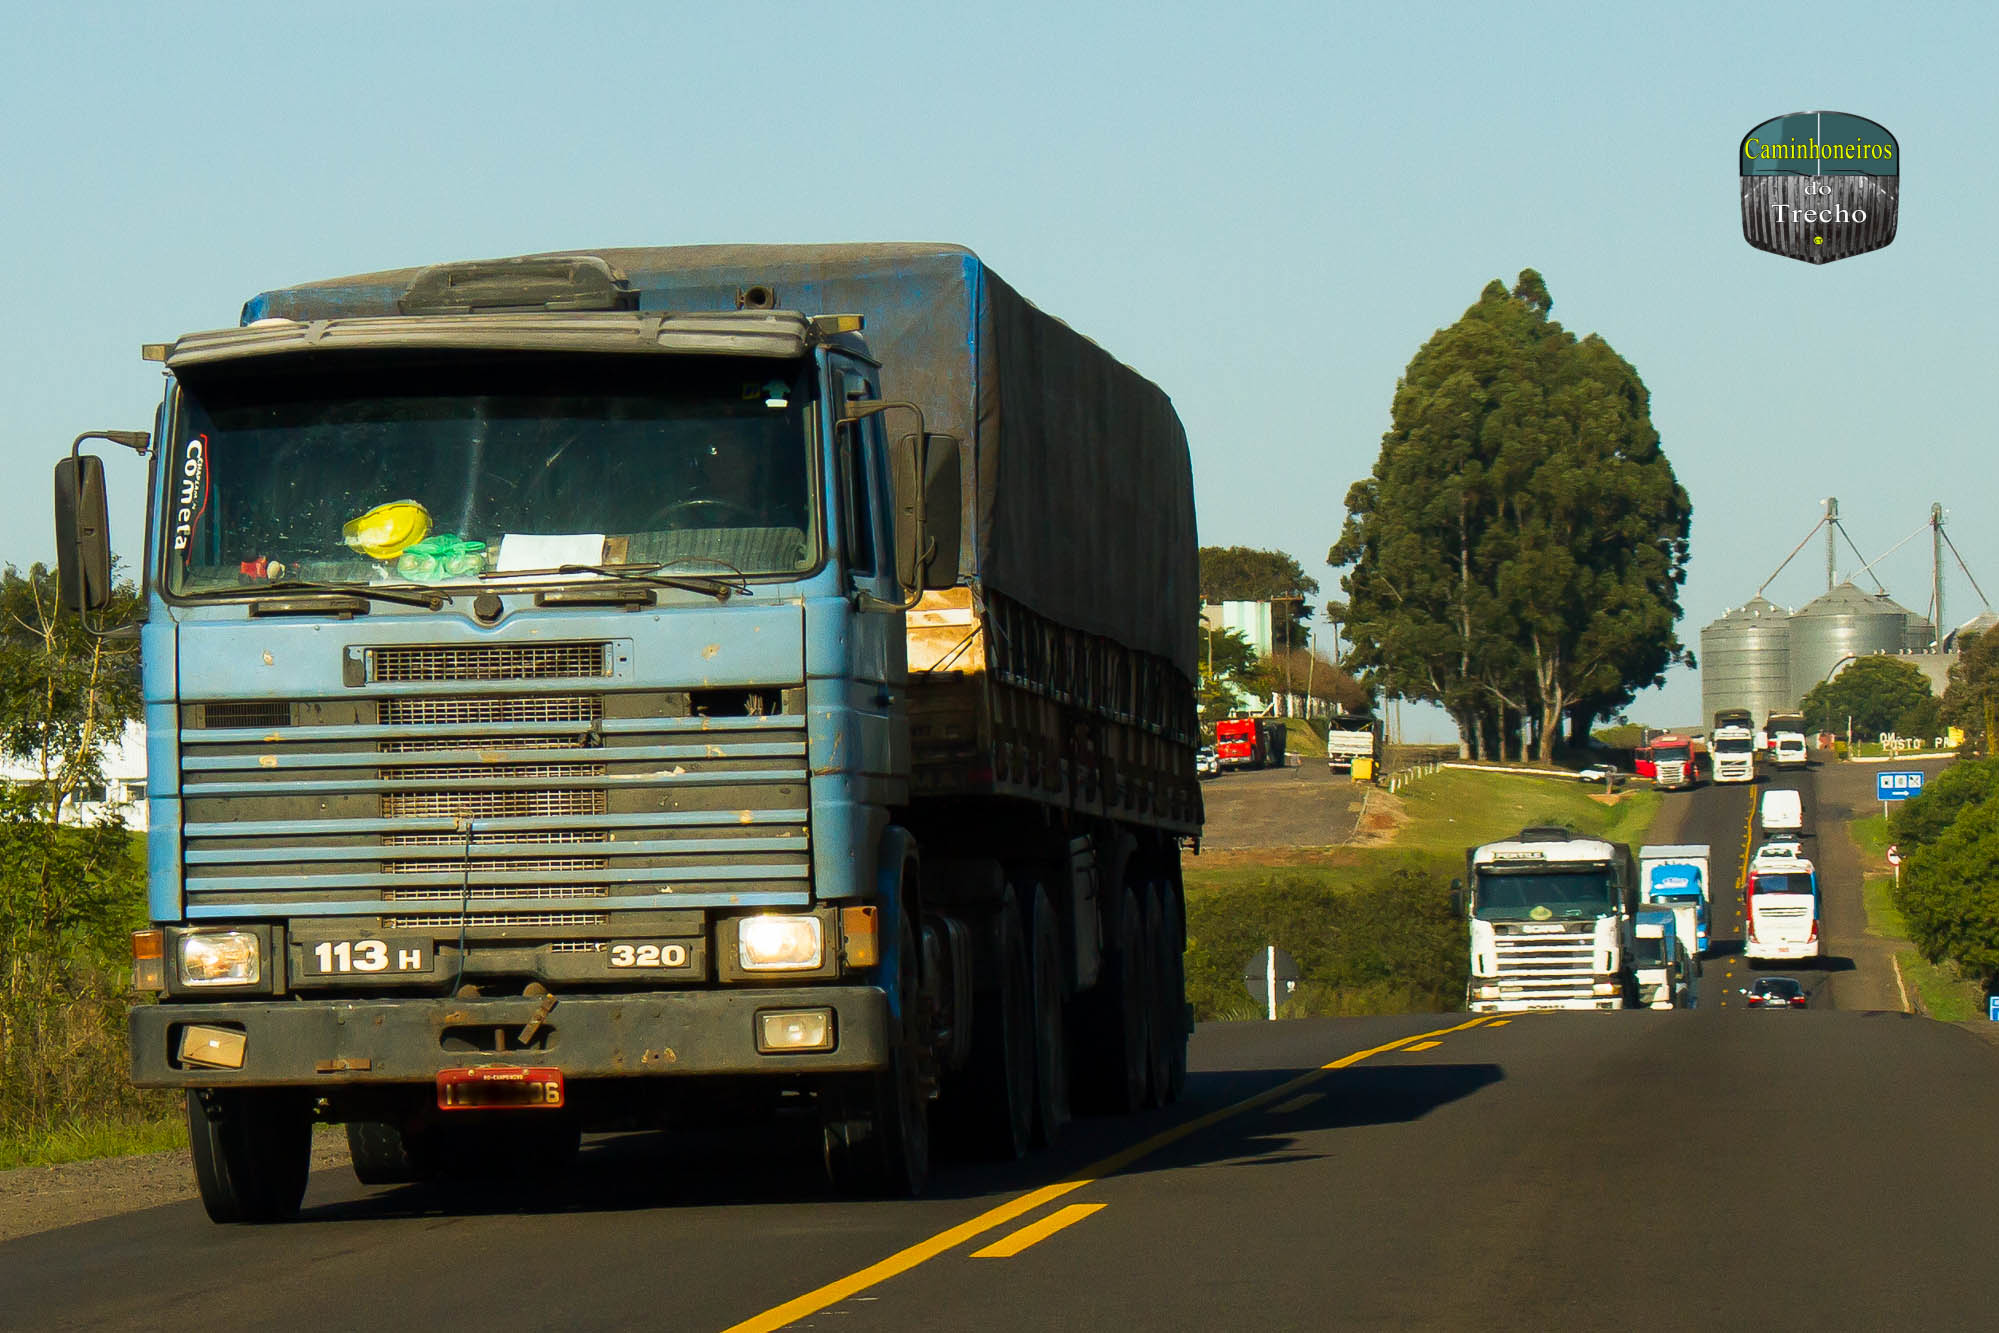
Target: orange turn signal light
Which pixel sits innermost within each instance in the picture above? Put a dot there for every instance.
(860, 937)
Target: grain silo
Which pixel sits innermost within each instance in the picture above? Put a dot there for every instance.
(1746, 661)
(1978, 624)
(1842, 624)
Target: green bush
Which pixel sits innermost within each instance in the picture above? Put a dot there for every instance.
(1949, 894)
(1923, 819)
(1387, 942)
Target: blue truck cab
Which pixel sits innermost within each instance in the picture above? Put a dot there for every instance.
(586, 689)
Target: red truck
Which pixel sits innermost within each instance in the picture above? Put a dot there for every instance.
(1250, 742)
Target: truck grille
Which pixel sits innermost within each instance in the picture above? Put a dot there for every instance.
(526, 661)
(413, 788)
(1546, 966)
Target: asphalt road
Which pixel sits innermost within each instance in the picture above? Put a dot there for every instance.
(1722, 1167)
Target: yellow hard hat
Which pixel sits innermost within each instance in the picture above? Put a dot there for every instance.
(385, 531)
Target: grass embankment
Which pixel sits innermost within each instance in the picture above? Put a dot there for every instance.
(1371, 928)
(1937, 987)
(82, 1139)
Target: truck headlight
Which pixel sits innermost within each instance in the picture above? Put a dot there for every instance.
(779, 943)
(220, 958)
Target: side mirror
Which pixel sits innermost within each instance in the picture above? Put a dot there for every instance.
(930, 559)
(83, 534)
(1458, 897)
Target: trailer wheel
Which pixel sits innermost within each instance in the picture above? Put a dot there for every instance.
(1051, 1045)
(989, 1106)
(1160, 1025)
(1114, 1059)
(252, 1150)
(385, 1153)
(876, 1128)
(1169, 1020)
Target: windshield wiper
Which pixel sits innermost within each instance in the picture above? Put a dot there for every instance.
(430, 601)
(719, 589)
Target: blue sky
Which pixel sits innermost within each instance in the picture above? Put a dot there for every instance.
(1265, 208)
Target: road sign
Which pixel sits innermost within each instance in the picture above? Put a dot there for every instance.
(1992, 1008)
(1894, 855)
(1898, 786)
(1270, 976)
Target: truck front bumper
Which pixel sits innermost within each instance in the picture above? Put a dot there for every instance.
(326, 1043)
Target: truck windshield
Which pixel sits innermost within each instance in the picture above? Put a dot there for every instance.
(1669, 753)
(1648, 951)
(1733, 745)
(1541, 895)
(384, 470)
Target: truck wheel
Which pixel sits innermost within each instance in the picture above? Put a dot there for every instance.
(1160, 1025)
(989, 1107)
(1113, 1059)
(876, 1129)
(1051, 1044)
(252, 1150)
(1169, 1020)
(387, 1154)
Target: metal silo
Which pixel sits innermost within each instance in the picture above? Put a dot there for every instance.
(1844, 623)
(1978, 624)
(1746, 662)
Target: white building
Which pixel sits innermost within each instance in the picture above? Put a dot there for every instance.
(124, 781)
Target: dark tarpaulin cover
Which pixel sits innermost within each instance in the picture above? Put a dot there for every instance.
(1079, 494)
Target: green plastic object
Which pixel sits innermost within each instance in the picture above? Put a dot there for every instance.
(444, 556)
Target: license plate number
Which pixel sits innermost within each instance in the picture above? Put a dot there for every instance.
(384, 955)
(499, 1087)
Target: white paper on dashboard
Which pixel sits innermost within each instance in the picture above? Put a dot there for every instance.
(546, 550)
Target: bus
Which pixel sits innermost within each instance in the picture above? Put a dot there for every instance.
(1781, 909)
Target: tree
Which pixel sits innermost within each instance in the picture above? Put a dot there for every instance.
(1878, 694)
(1948, 893)
(1518, 551)
(1249, 574)
(1971, 699)
(1228, 669)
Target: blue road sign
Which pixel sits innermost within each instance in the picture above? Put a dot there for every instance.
(1898, 786)
(1992, 1007)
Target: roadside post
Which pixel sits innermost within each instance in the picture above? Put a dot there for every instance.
(1895, 860)
(1270, 976)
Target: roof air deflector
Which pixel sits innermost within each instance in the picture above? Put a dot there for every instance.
(537, 282)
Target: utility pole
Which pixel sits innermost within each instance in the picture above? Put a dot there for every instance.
(1936, 574)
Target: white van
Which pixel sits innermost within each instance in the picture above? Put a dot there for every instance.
(1782, 812)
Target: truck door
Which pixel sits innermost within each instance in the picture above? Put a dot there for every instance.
(861, 510)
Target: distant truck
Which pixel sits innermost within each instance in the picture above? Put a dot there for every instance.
(1250, 742)
(1677, 761)
(1659, 962)
(1734, 744)
(1551, 918)
(1352, 736)
(1785, 733)
(1675, 876)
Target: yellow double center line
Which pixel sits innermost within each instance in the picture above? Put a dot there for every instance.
(925, 1250)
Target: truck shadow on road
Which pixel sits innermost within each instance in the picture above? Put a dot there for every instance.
(1276, 1135)
(778, 1164)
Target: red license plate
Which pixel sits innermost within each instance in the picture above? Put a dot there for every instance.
(499, 1087)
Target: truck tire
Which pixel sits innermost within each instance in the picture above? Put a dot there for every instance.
(876, 1128)
(384, 1153)
(988, 1107)
(252, 1150)
(1161, 1023)
(1169, 1020)
(1051, 1033)
(1113, 1058)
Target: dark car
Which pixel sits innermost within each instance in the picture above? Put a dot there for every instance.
(1777, 993)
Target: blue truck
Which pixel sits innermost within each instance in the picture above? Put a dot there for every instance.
(632, 686)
